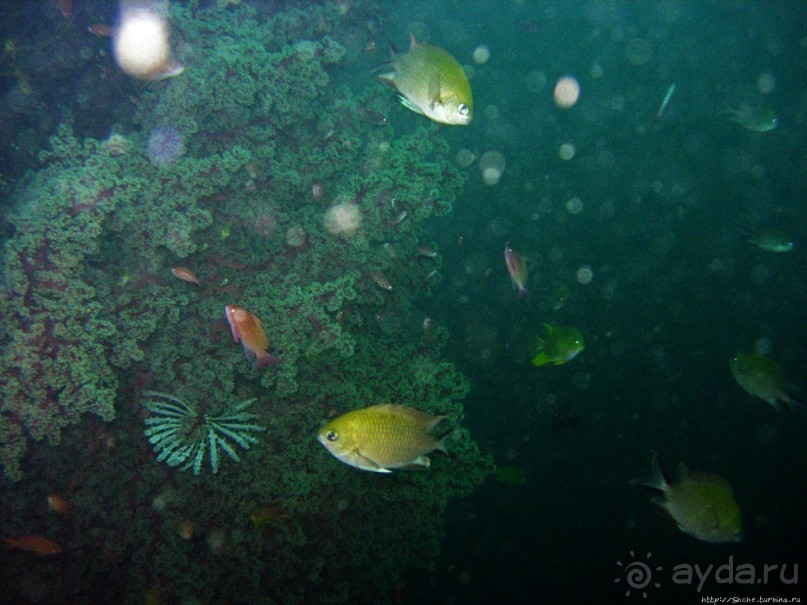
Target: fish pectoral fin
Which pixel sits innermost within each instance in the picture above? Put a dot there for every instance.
(365, 463)
(409, 105)
(540, 360)
(421, 463)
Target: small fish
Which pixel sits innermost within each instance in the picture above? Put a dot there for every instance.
(756, 119)
(186, 275)
(664, 103)
(761, 377)
(701, 504)
(381, 281)
(186, 530)
(771, 239)
(561, 344)
(248, 330)
(102, 30)
(383, 437)
(65, 7)
(431, 82)
(267, 515)
(517, 268)
(37, 545)
(57, 504)
(511, 475)
(169, 69)
(427, 251)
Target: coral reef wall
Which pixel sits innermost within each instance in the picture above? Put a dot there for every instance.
(289, 194)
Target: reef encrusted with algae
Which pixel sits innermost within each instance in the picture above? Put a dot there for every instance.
(92, 316)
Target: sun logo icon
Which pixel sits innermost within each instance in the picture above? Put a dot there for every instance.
(638, 575)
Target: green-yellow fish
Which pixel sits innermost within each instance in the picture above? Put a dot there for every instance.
(430, 81)
(772, 239)
(756, 119)
(702, 504)
(760, 376)
(561, 344)
(383, 437)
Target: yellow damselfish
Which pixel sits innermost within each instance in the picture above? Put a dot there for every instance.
(760, 376)
(383, 437)
(702, 504)
(430, 81)
(561, 344)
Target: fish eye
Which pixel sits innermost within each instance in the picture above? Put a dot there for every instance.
(332, 436)
(463, 109)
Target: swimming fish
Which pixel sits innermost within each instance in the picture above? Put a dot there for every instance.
(383, 437)
(248, 330)
(771, 239)
(701, 504)
(186, 275)
(431, 82)
(37, 545)
(57, 504)
(756, 119)
(760, 376)
(517, 268)
(561, 344)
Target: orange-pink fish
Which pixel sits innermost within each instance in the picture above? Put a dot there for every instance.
(248, 330)
(186, 275)
(517, 268)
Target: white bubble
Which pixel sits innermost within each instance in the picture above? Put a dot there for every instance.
(481, 55)
(491, 165)
(465, 157)
(766, 83)
(585, 275)
(536, 81)
(567, 92)
(566, 152)
(491, 112)
(574, 205)
(763, 346)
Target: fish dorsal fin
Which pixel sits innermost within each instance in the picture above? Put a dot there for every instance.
(413, 42)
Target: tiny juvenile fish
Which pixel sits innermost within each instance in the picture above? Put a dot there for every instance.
(248, 330)
(383, 437)
(431, 82)
(517, 268)
(186, 275)
(701, 504)
(37, 545)
(381, 281)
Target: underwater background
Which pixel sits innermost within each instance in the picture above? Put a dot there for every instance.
(635, 209)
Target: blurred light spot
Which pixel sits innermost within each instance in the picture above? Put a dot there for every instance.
(585, 275)
(567, 92)
(566, 152)
(481, 55)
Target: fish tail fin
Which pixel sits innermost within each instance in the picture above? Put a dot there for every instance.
(265, 359)
(540, 359)
(441, 437)
(657, 480)
(522, 292)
